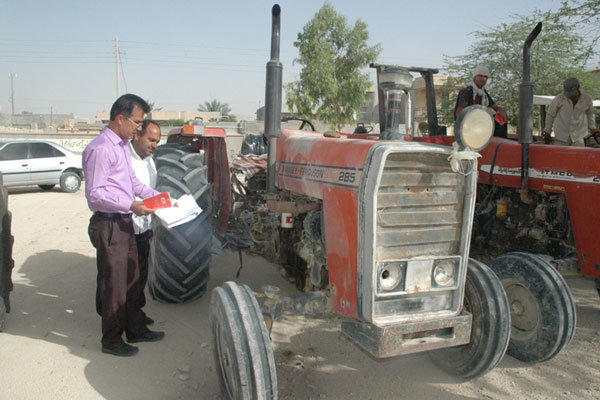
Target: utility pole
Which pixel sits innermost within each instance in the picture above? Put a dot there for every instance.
(117, 65)
(51, 116)
(12, 77)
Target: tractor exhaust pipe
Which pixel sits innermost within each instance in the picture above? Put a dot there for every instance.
(525, 127)
(273, 98)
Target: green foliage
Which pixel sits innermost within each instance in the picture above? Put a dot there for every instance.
(331, 86)
(152, 107)
(229, 118)
(173, 122)
(585, 15)
(558, 52)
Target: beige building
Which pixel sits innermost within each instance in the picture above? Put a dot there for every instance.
(162, 116)
(419, 98)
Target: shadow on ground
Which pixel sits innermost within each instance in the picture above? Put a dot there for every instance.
(53, 302)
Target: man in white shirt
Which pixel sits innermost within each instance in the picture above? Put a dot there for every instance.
(571, 113)
(142, 146)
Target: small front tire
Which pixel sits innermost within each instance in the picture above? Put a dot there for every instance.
(241, 346)
(486, 300)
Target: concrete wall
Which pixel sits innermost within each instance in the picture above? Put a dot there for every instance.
(160, 116)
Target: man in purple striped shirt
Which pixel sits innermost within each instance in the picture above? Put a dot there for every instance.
(111, 187)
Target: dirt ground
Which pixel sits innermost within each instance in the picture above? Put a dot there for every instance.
(51, 346)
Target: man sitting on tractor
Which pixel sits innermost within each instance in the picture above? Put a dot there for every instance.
(474, 93)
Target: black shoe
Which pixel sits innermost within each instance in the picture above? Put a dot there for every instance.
(148, 336)
(123, 350)
(148, 320)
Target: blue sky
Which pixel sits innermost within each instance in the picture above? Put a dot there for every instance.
(179, 54)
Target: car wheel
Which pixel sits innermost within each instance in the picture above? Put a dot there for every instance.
(70, 182)
(46, 187)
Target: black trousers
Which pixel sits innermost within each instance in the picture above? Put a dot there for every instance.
(118, 277)
(143, 249)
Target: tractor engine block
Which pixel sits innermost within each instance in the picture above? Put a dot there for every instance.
(503, 223)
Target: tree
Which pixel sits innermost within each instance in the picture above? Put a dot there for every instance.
(152, 108)
(216, 106)
(559, 52)
(229, 118)
(331, 86)
(584, 14)
(173, 122)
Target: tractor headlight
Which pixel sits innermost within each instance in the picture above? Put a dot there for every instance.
(444, 272)
(474, 127)
(390, 276)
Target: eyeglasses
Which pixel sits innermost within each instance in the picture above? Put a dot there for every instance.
(136, 123)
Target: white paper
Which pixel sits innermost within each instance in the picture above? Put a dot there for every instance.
(187, 209)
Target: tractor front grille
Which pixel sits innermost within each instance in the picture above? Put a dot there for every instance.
(419, 207)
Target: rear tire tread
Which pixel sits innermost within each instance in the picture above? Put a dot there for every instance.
(180, 256)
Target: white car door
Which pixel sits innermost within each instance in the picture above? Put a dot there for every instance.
(46, 162)
(14, 164)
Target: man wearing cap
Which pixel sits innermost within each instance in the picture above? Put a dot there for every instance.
(571, 113)
(474, 93)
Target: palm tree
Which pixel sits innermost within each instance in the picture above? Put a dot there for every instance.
(152, 108)
(215, 106)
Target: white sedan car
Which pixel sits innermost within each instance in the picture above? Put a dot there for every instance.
(42, 163)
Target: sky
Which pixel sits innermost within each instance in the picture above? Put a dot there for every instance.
(179, 54)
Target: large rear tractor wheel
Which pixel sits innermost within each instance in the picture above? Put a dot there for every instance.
(490, 332)
(241, 347)
(541, 305)
(180, 256)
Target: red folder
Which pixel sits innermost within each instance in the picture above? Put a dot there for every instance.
(161, 200)
(498, 118)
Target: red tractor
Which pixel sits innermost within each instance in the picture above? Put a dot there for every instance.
(380, 223)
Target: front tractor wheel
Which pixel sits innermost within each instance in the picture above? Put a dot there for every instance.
(241, 347)
(490, 331)
(541, 305)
